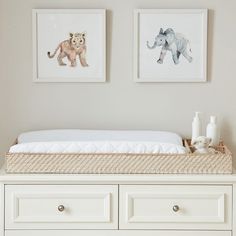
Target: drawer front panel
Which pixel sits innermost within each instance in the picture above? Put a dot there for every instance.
(72, 206)
(114, 233)
(175, 207)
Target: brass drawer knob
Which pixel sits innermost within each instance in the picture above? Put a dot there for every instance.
(175, 208)
(61, 208)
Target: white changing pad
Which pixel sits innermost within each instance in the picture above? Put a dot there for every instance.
(97, 147)
(99, 135)
(98, 141)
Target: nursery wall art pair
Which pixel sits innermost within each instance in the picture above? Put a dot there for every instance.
(170, 45)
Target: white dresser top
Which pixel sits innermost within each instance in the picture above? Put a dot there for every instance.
(117, 178)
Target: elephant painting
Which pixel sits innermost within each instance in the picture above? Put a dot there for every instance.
(173, 42)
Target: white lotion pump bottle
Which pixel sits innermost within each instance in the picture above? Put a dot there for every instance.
(213, 132)
(196, 127)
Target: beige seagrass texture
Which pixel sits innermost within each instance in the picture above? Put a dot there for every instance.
(116, 163)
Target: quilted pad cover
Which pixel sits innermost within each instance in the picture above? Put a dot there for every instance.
(97, 147)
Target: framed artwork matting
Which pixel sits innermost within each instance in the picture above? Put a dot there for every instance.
(170, 45)
(69, 45)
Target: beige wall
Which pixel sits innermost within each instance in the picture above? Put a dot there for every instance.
(120, 103)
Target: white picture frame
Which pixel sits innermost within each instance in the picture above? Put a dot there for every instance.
(84, 50)
(149, 66)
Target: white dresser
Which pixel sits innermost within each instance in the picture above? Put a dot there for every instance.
(117, 205)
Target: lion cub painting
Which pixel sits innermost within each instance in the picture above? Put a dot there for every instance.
(75, 45)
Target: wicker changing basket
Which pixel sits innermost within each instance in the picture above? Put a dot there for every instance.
(115, 163)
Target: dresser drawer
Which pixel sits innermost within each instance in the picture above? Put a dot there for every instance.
(61, 207)
(114, 233)
(175, 207)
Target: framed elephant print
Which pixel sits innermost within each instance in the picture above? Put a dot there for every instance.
(170, 45)
(69, 45)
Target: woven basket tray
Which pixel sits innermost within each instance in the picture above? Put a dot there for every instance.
(77, 163)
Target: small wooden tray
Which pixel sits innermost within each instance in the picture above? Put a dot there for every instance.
(220, 149)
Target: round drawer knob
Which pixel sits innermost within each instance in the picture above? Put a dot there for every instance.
(61, 208)
(175, 208)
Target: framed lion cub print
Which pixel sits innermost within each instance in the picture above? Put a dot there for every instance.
(69, 45)
(170, 45)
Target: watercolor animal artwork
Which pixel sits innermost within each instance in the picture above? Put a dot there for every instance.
(176, 43)
(71, 48)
